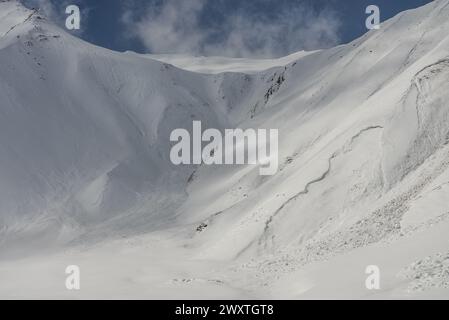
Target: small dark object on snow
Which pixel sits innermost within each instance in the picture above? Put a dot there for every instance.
(201, 227)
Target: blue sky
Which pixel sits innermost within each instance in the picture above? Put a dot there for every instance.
(256, 28)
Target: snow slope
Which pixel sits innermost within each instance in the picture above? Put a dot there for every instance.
(84, 131)
(85, 176)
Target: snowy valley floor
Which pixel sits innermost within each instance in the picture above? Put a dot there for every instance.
(159, 266)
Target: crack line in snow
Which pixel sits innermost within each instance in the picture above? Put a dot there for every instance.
(314, 181)
(24, 21)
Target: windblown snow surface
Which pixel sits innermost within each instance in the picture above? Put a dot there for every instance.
(85, 175)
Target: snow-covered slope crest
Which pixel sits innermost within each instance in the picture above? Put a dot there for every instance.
(13, 16)
(363, 131)
(215, 65)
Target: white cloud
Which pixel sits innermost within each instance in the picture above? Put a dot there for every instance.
(175, 27)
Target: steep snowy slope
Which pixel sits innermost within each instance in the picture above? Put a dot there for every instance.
(364, 135)
(84, 131)
(348, 118)
(363, 177)
(77, 139)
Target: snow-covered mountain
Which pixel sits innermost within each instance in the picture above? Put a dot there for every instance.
(85, 175)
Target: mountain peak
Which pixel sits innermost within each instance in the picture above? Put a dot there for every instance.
(14, 17)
